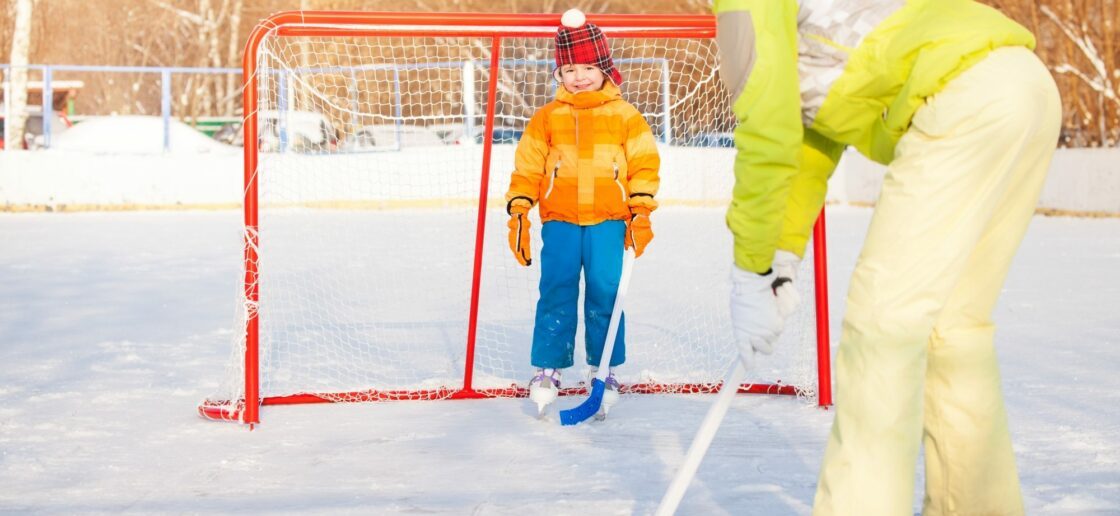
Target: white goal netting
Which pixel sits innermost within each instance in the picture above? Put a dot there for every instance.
(369, 176)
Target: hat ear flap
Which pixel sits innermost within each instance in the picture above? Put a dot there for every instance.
(614, 75)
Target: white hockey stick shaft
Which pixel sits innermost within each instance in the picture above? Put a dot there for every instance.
(703, 439)
(616, 315)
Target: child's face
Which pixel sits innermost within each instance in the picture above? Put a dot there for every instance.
(581, 77)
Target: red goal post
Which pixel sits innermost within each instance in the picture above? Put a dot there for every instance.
(301, 76)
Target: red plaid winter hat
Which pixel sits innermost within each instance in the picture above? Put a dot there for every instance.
(585, 44)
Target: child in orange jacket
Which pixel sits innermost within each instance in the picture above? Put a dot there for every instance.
(589, 160)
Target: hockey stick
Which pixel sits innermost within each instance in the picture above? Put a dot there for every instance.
(703, 439)
(590, 406)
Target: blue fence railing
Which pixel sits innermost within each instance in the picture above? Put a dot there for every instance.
(167, 75)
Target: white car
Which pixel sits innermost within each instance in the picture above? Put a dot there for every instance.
(306, 131)
(33, 137)
(391, 137)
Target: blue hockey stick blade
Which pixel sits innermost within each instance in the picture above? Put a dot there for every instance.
(588, 408)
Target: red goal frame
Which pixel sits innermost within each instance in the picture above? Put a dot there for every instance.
(495, 27)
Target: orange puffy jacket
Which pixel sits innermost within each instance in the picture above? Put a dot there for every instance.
(586, 158)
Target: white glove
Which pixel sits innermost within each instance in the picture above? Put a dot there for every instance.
(755, 320)
(785, 268)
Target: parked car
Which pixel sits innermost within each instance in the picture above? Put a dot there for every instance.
(229, 133)
(33, 137)
(506, 135)
(392, 136)
(449, 134)
(306, 131)
(502, 134)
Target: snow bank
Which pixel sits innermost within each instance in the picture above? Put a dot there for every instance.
(131, 134)
(119, 162)
(1080, 180)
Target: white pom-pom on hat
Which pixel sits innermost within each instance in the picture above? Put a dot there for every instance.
(573, 18)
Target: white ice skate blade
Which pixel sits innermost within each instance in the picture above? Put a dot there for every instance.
(610, 397)
(543, 397)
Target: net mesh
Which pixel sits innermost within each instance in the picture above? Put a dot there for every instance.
(369, 183)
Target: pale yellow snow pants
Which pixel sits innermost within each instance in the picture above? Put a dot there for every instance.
(916, 362)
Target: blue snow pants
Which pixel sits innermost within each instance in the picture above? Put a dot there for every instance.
(568, 248)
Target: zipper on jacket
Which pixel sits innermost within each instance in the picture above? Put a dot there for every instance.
(555, 171)
(621, 189)
(575, 115)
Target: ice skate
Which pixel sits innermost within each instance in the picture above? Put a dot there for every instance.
(610, 393)
(543, 388)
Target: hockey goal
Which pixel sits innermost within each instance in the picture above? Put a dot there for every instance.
(377, 150)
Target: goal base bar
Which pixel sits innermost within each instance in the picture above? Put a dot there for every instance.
(227, 411)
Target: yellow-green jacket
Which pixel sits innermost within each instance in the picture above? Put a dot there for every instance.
(586, 158)
(811, 77)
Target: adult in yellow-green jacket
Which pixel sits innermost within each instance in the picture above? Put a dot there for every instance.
(949, 95)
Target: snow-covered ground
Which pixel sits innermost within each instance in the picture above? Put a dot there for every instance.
(114, 325)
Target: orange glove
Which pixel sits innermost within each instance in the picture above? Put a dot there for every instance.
(519, 233)
(638, 230)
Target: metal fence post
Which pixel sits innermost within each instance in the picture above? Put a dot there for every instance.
(7, 91)
(282, 110)
(165, 106)
(48, 106)
(666, 117)
(468, 101)
(398, 110)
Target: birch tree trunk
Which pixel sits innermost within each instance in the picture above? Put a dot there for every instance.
(233, 54)
(303, 101)
(17, 78)
(208, 45)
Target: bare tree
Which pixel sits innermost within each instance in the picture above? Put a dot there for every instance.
(233, 54)
(17, 78)
(1096, 75)
(207, 36)
(1079, 40)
